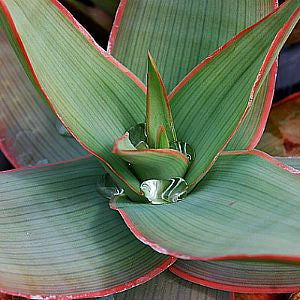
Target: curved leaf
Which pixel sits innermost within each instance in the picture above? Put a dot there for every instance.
(215, 97)
(167, 286)
(152, 163)
(60, 239)
(282, 134)
(291, 161)
(246, 207)
(180, 34)
(240, 276)
(28, 133)
(252, 126)
(95, 96)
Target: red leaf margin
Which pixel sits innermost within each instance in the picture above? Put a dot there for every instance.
(285, 258)
(258, 80)
(106, 292)
(232, 288)
(90, 39)
(116, 289)
(170, 152)
(271, 84)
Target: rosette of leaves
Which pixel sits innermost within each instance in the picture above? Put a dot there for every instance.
(59, 236)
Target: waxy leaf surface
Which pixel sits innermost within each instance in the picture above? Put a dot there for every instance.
(152, 163)
(167, 286)
(241, 276)
(96, 97)
(158, 110)
(244, 277)
(28, 134)
(180, 34)
(246, 206)
(59, 236)
(291, 161)
(209, 104)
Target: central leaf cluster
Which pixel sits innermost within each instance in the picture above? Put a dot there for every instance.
(155, 155)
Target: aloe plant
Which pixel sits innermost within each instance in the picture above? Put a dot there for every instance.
(181, 152)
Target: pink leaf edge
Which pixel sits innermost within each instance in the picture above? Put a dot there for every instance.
(116, 289)
(285, 258)
(83, 31)
(256, 84)
(232, 288)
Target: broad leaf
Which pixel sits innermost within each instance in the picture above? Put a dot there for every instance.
(282, 134)
(151, 163)
(28, 133)
(180, 34)
(59, 237)
(239, 276)
(158, 114)
(167, 286)
(96, 97)
(246, 207)
(209, 104)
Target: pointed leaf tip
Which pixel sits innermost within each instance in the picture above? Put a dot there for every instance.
(158, 111)
(162, 141)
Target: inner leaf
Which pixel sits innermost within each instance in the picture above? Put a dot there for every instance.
(165, 191)
(158, 113)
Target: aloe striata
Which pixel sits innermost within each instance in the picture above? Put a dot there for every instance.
(176, 138)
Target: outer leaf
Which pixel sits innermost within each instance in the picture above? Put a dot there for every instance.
(291, 161)
(246, 277)
(246, 207)
(223, 83)
(167, 286)
(179, 34)
(282, 134)
(239, 276)
(59, 237)
(28, 133)
(152, 163)
(252, 126)
(158, 110)
(97, 98)
(182, 35)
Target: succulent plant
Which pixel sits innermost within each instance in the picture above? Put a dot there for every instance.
(172, 163)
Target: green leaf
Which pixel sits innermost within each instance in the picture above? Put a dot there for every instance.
(240, 276)
(209, 104)
(291, 161)
(167, 286)
(246, 207)
(59, 237)
(162, 141)
(152, 163)
(180, 34)
(251, 129)
(158, 111)
(28, 134)
(96, 97)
